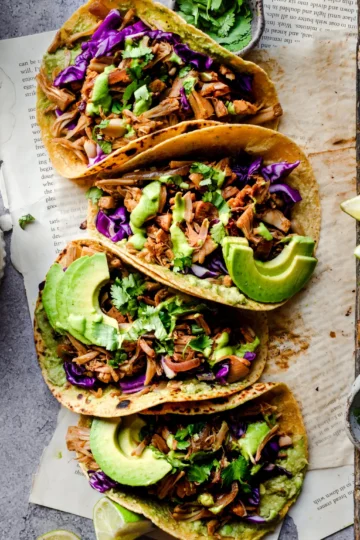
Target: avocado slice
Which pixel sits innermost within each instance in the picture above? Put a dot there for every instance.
(53, 278)
(250, 279)
(62, 292)
(298, 245)
(84, 313)
(112, 442)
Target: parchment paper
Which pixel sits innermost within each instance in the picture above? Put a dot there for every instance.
(312, 335)
(317, 89)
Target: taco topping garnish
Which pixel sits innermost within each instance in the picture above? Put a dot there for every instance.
(220, 469)
(192, 217)
(128, 80)
(118, 327)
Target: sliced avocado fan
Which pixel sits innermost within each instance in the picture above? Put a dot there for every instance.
(112, 442)
(71, 301)
(273, 281)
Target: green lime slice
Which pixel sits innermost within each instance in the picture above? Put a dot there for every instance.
(59, 534)
(113, 522)
(352, 207)
(357, 252)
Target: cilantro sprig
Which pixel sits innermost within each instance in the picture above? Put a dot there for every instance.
(25, 220)
(227, 21)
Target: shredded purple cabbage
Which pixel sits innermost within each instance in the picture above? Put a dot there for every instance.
(185, 105)
(99, 156)
(222, 373)
(217, 263)
(100, 481)
(111, 22)
(77, 71)
(71, 123)
(271, 450)
(244, 82)
(134, 385)
(254, 519)
(202, 272)
(278, 171)
(292, 194)
(243, 172)
(106, 37)
(113, 38)
(272, 469)
(238, 428)
(254, 497)
(250, 356)
(75, 375)
(115, 226)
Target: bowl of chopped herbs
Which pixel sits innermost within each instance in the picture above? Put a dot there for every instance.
(237, 25)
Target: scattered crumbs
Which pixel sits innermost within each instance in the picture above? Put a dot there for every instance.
(333, 334)
(83, 225)
(59, 455)
(348, 312)
(353, 290)
(317, 388)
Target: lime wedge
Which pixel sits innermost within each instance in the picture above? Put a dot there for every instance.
(352, 207)
(357, 252)
(59, 534)
(113, 522)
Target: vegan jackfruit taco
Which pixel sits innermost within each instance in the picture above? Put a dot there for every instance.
(112, 341)
(232, 215)
(232, 474)
(122, 76)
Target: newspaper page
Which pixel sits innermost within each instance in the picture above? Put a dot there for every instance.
(60, 207)
(292, 21)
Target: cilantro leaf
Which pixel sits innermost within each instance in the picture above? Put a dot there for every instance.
(25, 220)
(200, 343)
(129, 90)
(136, 52)
(189, 430)
(213, 177)
(118, 358)
(237, 470)
(180, 263)
(217, 200)
(199, 473)
(104, 335)
(124, 293)
(94, 194)
(175, 179)
(218, 232)
(116, 107)
(226, 23)
(182, 445)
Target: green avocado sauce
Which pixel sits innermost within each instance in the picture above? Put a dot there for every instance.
(180, 245)
(147, 207)
(52, 362)
(100, 96)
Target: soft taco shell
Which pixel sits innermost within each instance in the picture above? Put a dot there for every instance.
(159, 17)
(220, 141)
(290, 421)
(112, 402)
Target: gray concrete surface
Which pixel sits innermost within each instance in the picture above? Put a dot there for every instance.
(27, 410)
